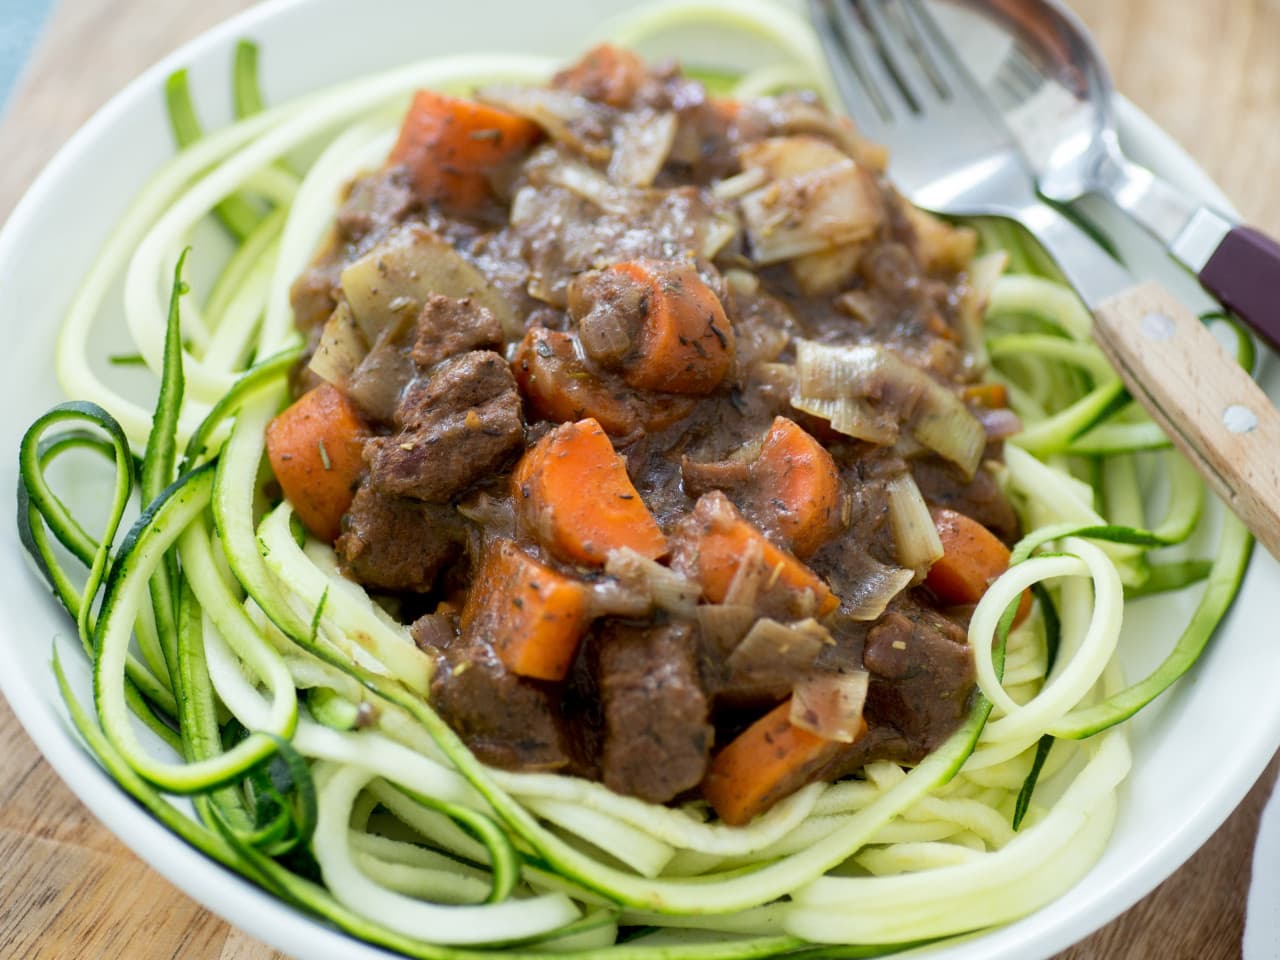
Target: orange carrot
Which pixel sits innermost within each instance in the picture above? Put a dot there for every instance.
(715, 538)
(573, 492)
(559, 387)
(533, 616)
(763, 764)
(686, 343)
(315, 449)
(450, 145)
(605, 73)
(798, 476)
(990, 395)
(972, 557)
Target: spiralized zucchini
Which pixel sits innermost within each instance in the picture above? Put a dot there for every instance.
(294, 706)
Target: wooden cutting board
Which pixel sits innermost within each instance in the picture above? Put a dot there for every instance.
(1206, 70)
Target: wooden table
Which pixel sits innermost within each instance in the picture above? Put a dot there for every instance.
(1206, 70)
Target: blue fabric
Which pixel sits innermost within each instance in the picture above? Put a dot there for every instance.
(20, 23)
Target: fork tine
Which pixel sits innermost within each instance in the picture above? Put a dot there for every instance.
(860, 100)
(875, 71)
(895, 49)
(954, 75)
(1016, 79)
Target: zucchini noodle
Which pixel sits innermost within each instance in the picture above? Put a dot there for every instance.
(303, 727)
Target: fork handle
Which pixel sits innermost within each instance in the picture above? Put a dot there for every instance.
(1239, 265)
(1244, 273)
(1208, 405)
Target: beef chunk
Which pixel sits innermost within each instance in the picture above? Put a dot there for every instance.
(921, 675)
(311, 296)
(376, 203)
(434, 632)
(390, 543)
(507, 721)
(456, 386)
(447, 326)
(981, 498)
(458, 425)
(731, 476)
(657, 735)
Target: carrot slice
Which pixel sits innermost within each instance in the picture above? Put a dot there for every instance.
(573, 492)
(533, 616)
(763, 764)
(796, 473)
(607, 73)
(972, 557)
(714, 541)
(686, 342)
(315, 448)
(559, 387)
(450, 145)
(992, 396)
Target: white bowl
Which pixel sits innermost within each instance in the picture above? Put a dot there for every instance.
(1197, 750)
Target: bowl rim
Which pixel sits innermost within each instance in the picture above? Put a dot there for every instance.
(275, 922)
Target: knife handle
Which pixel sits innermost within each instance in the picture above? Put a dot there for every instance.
(1207, 404)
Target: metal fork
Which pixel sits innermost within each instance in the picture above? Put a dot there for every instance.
(952, 153)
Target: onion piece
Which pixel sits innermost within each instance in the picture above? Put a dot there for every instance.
(914, 532)
(742, 283)
(877, 585)
(749, 577)
(981, 279)
(565, 116)
(379, 380)
(796, 113)
(1000, 423)
(605, 335)
(811, 211)
(720, 231)
(664, 588)
(874, 377)
(853, 418)
(772, 647)
(829, 705)
(341, 348)
(398, 275)
(723, 625)
(641, 143)
(593, 187)
(940, 246)
(730, 188)
(611, 598)
(948, 429)
(781, 157)
(827, 270)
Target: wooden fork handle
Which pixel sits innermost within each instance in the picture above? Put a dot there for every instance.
(1207, 404)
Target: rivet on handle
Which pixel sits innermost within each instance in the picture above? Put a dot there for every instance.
(1156, 326)
(1239, 419)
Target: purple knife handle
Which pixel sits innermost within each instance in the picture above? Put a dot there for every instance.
(1244, 273)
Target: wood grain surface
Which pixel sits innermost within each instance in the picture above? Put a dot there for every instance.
(1206, 70)
(1176, 369)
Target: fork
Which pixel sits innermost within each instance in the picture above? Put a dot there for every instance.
(952, 154)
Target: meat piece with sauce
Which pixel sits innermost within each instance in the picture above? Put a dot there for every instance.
(395, 544)
(507, 722)
(459, 424)
(448, 327)
(657, 735)
(921, 675)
